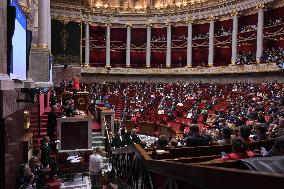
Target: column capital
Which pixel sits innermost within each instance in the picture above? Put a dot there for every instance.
(259, 6)
(128, 25)
(87, 22)
(108, 24)
(168, 24)
(190, 21)
(234, 12)
(149, 25)
(211, 18)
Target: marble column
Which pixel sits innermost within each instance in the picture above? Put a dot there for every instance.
(148, 47)
(211, 43)
(169, 41)
(87, 44)
(234, 39)
(48, 25)
(128, 45)
(189, 44)
(43, 23)
(108, 45)
(259, 42)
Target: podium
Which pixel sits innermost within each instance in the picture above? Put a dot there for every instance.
(81, 101)
(74, 133)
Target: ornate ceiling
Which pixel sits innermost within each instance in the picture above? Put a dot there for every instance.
(141, 12)
(143, 4)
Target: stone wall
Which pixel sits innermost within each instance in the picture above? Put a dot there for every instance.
(221, 78)
(3, 36)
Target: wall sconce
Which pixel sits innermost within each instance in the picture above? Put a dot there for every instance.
(27, 121)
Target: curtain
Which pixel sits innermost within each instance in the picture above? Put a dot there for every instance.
(138, 47)
(179, 46)
(118, 47)
(97, 46)
(158, 47)
(222, 56)
(200, 57)
(200, 29)
(247, 20)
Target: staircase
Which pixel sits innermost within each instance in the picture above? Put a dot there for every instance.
(99, 141)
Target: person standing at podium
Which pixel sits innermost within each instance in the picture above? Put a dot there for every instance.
(76, 84)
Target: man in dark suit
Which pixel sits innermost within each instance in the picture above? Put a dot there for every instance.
(46, 160)
(135, 137)
(195, 138)
(52, 123)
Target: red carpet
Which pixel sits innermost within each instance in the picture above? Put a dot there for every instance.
(96, 127)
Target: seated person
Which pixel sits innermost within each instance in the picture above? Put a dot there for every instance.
(174, 142)
(195, 138)
(23, 172)
(226, 136)
(278, 147)
(162, 142)
(240, 150)
(69, 110)
(28, 182)
(37, 169)
(46, 160)
(244, 132)
(135, 137)
(260, 132)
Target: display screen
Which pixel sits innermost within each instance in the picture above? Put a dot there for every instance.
(19, 49)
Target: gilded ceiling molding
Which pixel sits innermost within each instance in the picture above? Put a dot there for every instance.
(220, 9)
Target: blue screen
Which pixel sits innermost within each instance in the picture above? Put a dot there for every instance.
(18, 64)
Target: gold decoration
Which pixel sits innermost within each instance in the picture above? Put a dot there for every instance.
(25, 8)
(27, 121)
(234, 12)
(81, 101)
(66, 59)
(259, 6)
(231, 69)
(41, 46)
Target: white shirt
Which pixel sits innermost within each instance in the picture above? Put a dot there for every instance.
(95, 164)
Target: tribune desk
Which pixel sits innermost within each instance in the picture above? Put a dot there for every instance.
(74, 132)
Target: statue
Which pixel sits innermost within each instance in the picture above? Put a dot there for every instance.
(64, 38)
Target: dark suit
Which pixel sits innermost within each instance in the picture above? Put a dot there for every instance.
(51, 124)
(46, 159)
(136, 139)
(116, 142)
(196, 140)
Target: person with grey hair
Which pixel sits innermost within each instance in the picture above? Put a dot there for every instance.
(96, 166)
